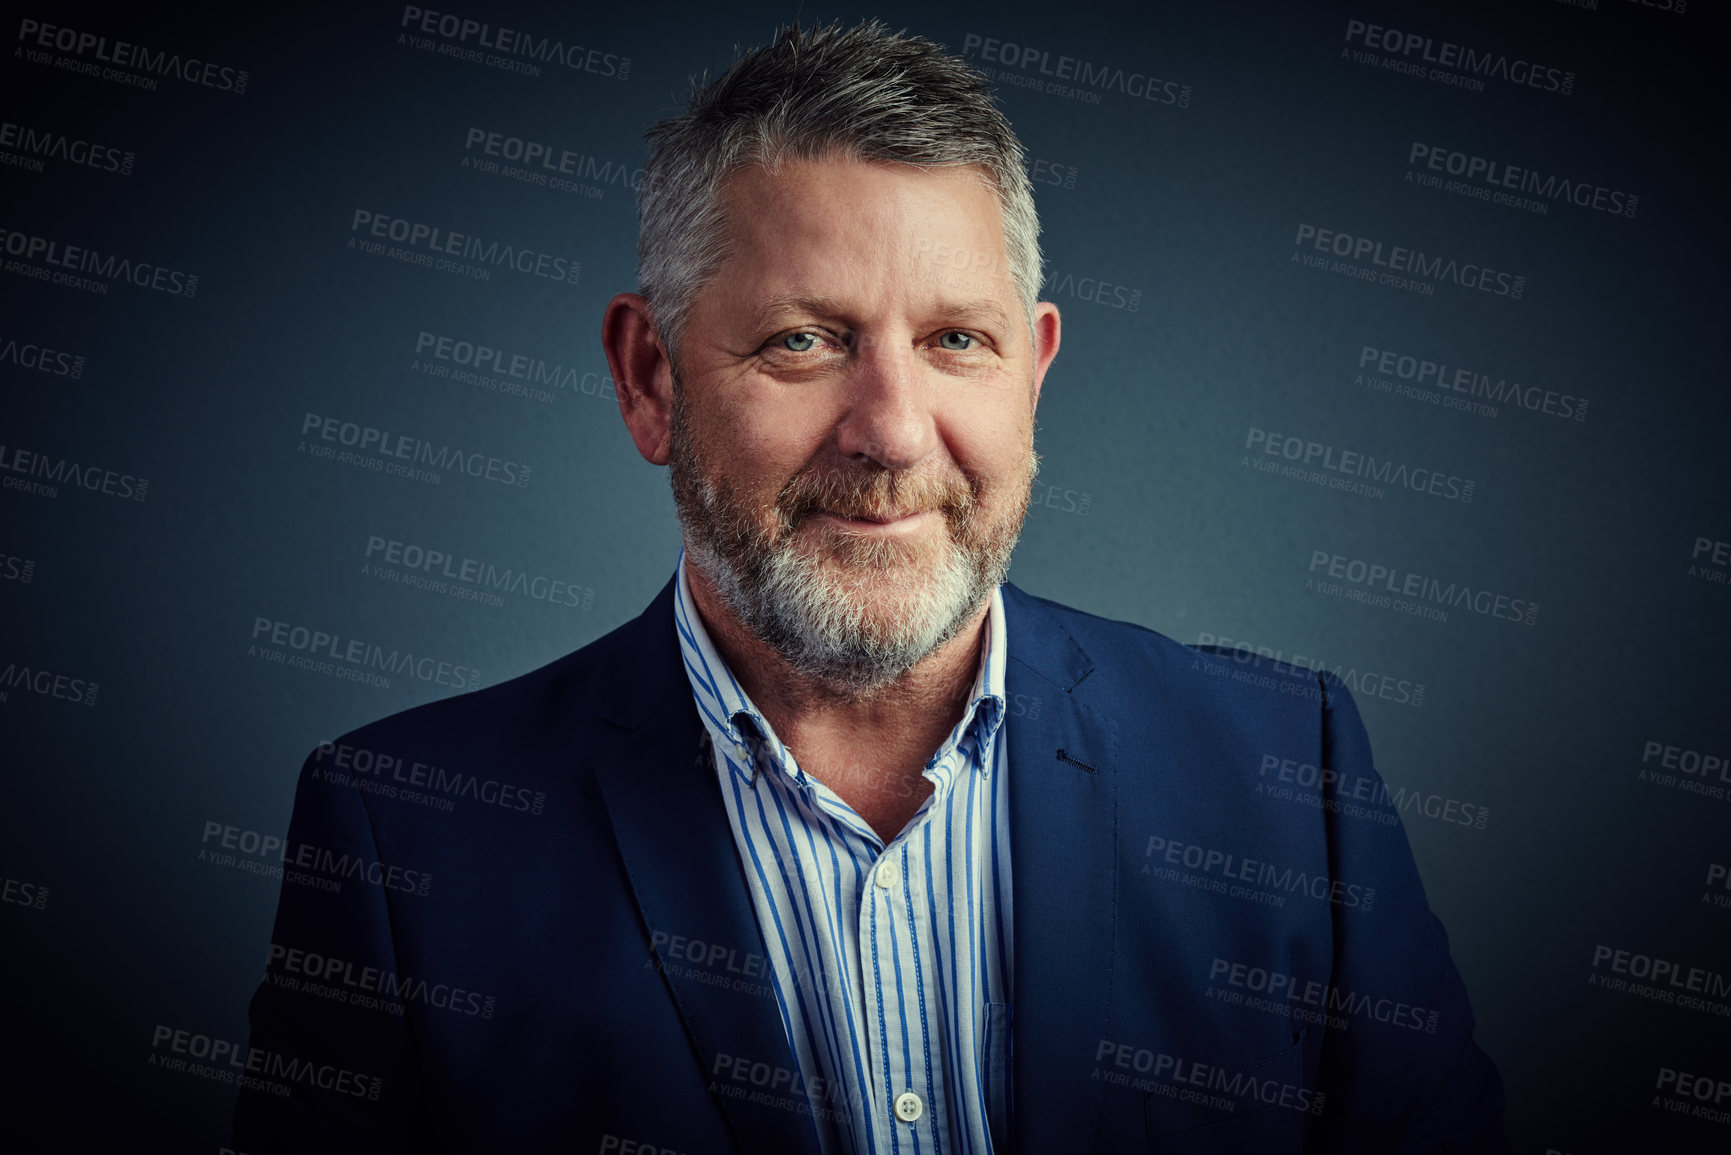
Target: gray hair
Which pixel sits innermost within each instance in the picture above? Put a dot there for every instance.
(863, 93)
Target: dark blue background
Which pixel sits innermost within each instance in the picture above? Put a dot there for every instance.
(1146, 412)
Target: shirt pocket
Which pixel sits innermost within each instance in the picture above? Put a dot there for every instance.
(1269, 1105)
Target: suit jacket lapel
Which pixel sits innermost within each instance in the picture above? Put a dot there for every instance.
(665, 804)
(1063, 859)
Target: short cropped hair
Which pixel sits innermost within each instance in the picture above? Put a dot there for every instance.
(861, 93)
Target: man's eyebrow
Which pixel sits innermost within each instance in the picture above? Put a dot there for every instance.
(989, 310)
(811, 304)
(818, 305)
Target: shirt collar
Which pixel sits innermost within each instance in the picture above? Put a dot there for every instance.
(724, 705)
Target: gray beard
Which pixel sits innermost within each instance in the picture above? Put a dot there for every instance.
(816, 619)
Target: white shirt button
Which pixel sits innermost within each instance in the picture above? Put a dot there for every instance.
(887, 875)
(909, 1107)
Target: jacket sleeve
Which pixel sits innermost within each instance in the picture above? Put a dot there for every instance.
(1405, 1076)
(328, 1065)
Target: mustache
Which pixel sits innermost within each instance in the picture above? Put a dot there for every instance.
(874, 495)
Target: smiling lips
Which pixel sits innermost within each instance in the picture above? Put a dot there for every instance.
(875, 519)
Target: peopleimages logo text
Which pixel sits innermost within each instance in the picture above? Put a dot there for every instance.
(1354, 463)
(1425, 373)
(57, 471)
(1459, 58)
(1027, 58)
(49, 145)
(358, 979)
(368, 655)
(433, 239)
(225, 1061)
(1296, 991)
(510, 42)
(484, 358)
(437, 563)
(122, 54)
(403, 447)
(41, 358)
(1414, 262)
(48, 684)
(1398, 581)
(1516, 178)
(551, 158)
(1227, 865)
(106, 266)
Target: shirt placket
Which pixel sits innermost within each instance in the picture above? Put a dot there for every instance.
(921, 1122)
(901, 1094)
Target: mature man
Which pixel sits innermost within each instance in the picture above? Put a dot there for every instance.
(847, 845)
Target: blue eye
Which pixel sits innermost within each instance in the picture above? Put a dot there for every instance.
(799, 342)
(952, 336)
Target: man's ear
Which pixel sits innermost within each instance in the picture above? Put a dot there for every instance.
(642, 374)
(1048, 331)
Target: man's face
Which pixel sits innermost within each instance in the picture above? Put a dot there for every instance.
(852, 429)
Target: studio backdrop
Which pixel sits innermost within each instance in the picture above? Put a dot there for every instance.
(1393, 347)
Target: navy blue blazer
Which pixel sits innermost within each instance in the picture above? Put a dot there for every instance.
(515, 920)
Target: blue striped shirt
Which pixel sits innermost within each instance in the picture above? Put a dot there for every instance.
(891, 964)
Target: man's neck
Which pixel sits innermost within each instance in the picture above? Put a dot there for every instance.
(916, 710)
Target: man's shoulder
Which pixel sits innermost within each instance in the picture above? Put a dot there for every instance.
(1122, 650)
(611, 679)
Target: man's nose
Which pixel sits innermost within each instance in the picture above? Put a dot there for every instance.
(890, 416)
